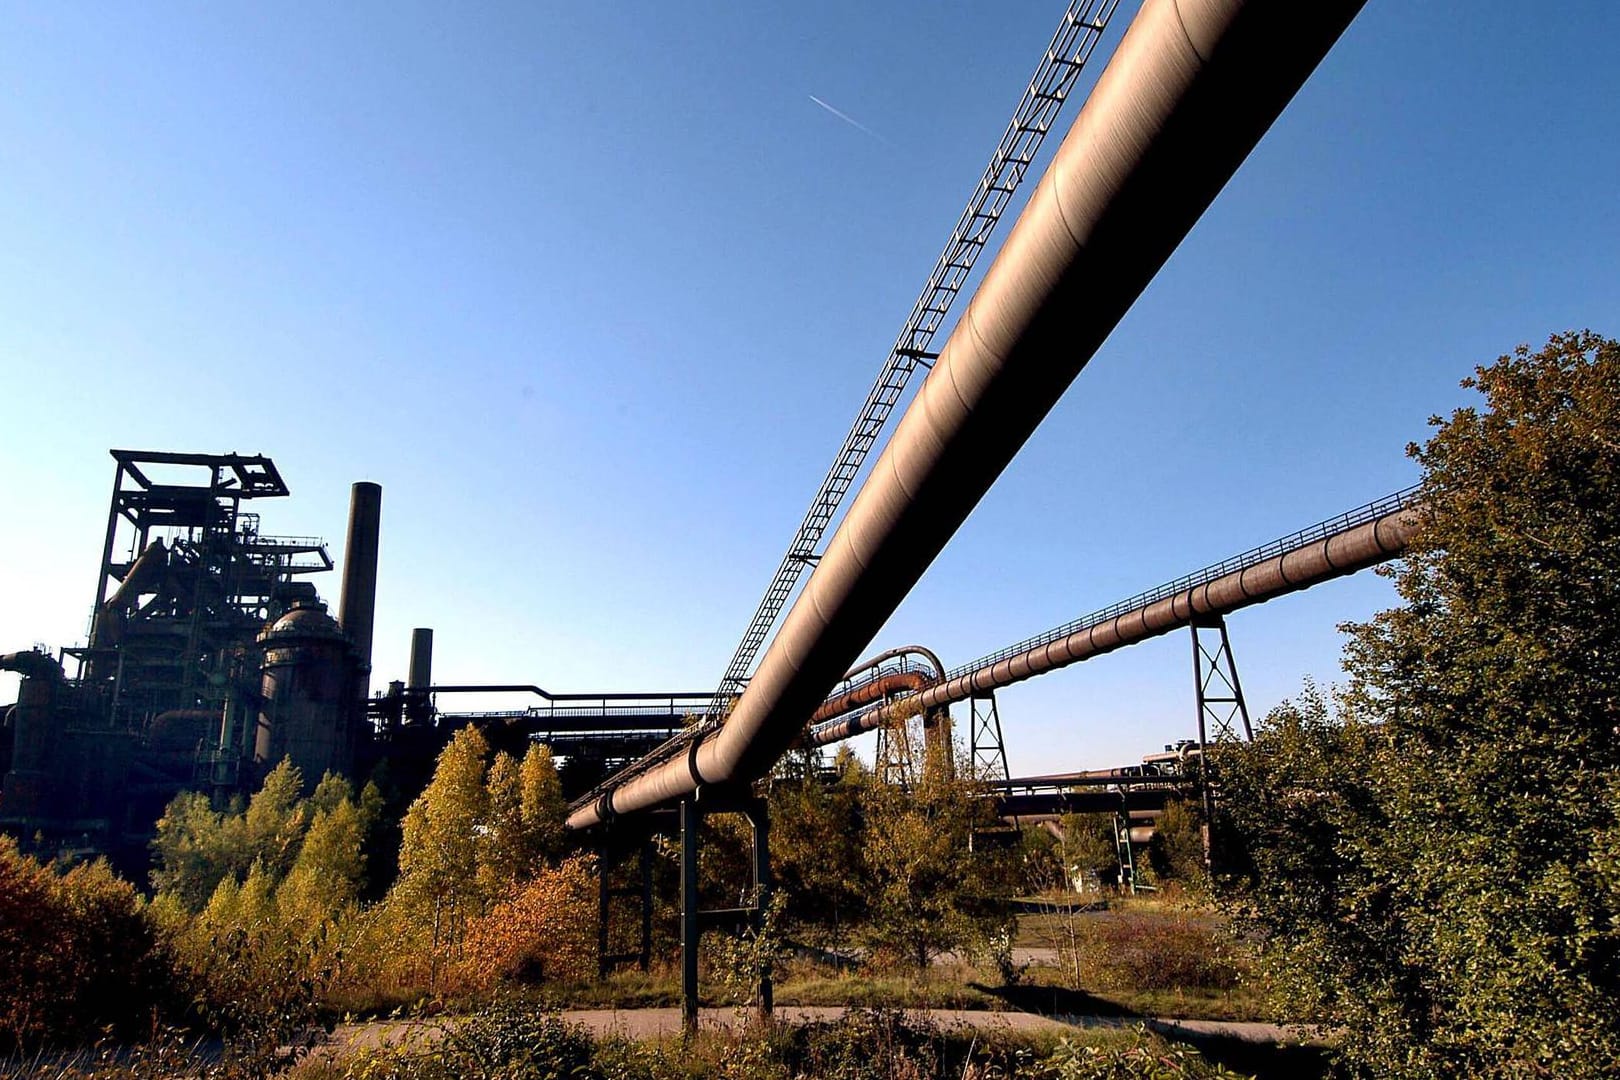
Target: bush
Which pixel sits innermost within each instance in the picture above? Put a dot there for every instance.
(1145, 1057)
(1137, 951)
(77, 954)
(545, 932)
(1433, 862)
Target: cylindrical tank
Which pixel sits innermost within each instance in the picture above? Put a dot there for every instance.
(25, 790)
(308, 679)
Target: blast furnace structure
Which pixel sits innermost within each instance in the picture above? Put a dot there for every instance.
(211, 657)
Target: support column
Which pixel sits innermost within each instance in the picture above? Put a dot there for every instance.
(987, 751)
(892, 763)
(1127, 851)
(759, 818)
(691, 821)
(1222, 712)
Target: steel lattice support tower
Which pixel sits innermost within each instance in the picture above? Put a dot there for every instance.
(892, 760)
(987, 751)
(1221, 709)
(1220, 695)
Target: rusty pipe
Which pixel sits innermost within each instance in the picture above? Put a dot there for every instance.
(871, 692)
(879, 686)
(1321, 560)
(875, 662)
(1189, 92)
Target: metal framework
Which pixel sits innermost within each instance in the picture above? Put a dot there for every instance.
(185, 576)
(1071, 46)
(892, 759)
(1221, 709)
(609, 856)
(749, 914)
(987, 751)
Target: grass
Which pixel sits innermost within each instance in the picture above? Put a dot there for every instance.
(1137, 957)
(801, 982)
(1146, 956)
(513, 1041)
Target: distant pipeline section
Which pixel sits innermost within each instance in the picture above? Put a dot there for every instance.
(1299, 562)
(1191, 89)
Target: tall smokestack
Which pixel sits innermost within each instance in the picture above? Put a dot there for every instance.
(421, 658)
(358, 605)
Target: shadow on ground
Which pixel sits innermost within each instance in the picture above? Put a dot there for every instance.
(1263, 1060)
(1054, 1001)
(1056, 907)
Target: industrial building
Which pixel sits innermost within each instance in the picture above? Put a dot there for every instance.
(211, 657)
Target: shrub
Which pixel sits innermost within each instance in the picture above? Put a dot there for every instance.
(76, 952)
(1155, 951)
(545, 932)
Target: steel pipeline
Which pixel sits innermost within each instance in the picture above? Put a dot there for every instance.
(1189, 92)
(1343, 553)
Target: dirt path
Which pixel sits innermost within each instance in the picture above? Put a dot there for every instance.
(653, 1023)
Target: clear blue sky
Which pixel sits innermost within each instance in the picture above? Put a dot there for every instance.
(593, 291)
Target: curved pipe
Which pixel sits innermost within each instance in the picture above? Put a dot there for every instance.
(32, 665)
(1189, 92)
(871, 692)
(142, 575)
(877, 661)
(879, 687)
(1335, 556)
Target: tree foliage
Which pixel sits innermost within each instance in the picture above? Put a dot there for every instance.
(76, 953)
(476, 838)
(816, 845)
(928, 891)
(1434, 862)
(544, 931)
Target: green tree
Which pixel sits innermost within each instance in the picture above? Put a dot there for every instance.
(195, 848)
(327, 876)
(816, 840)
(1435, 864)
(1177, 851)
(928, 892)
(504, 853)
(438, 858)
(543, 807)
(1089, 845)
(276, 818)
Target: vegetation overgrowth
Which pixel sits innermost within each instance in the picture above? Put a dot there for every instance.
(1425, 862)
(1431, 855)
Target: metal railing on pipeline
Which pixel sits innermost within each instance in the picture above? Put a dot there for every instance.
(1379, 508)
(901, 666)
(1055, 77)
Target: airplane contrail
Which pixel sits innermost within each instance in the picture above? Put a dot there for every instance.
(850, 120)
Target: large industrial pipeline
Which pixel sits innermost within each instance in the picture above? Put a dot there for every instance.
(1311, 563)
(1189, 92)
